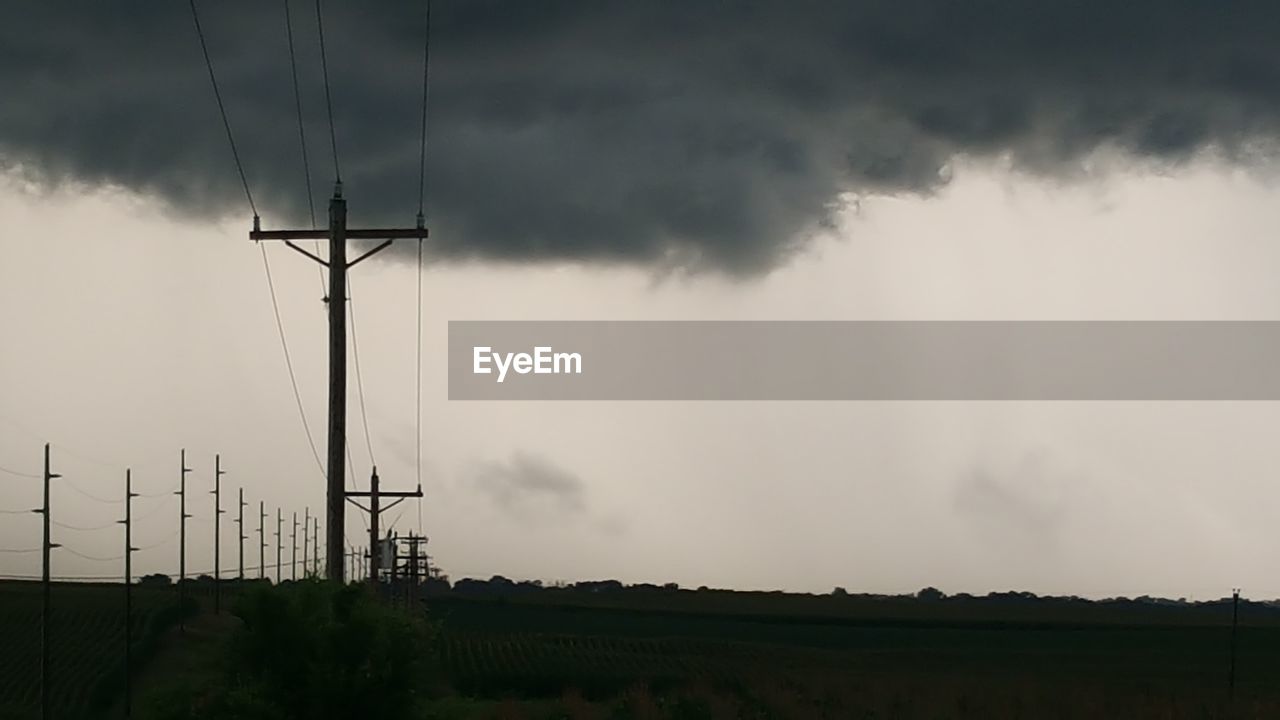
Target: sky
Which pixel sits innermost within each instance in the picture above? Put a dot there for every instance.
(621, 161)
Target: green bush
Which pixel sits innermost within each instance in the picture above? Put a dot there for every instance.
(316, 650)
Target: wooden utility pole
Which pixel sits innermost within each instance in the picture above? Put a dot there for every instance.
(46, 585)
(240, 532)
(217, 533)
(279, 541)
(1235, 622)
(129, 550)
(182, 544)
(376, 509)
(337, 234)
(306, 527)
(262, 539)
(415, 542)
(315, 550)
(293, 541)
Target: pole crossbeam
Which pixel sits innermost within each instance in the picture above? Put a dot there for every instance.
(337, 234)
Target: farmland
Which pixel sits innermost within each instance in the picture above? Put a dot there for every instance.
(874, 657)
(86, 644)
(566, 653)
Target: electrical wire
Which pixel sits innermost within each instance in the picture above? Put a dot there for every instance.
(422, 152)
(16, 512)
(158, 507)
(15, 473)
(226, 124)
(417, 420)
(19, 552)
(422, 194)
(355, 354)
(302, 136)
(89, 495)
(82, 528)
(288, 362)
(328, 98)
(92, 558)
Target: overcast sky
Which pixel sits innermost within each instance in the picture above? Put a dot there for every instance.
(618, 160)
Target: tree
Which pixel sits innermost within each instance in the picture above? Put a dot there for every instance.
(931, 594)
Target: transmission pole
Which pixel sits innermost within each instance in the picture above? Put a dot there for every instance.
(375, 510)
(337, 234)
(45, 547)
(315, 549)
(217, 533)
(1235, 622)
(262, 539)
(129, 549)
(240, 532)
(182, 544)
(279, 542)
(293, 541)
(306, 527)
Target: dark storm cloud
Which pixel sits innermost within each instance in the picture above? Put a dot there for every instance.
(700, 134)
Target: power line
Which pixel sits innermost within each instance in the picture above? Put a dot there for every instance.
(297, 103)
(159, 506)
(226, 124)
(162, 493)
(328, 99)
(92, 558)
(15, 473)
(422, 153)
(91, 496)
(417, 420)
(355, 353)
(16, 552)
(302, 135)
(288, 362)
(82, 528)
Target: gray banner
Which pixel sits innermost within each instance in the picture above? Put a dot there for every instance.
(785, 360)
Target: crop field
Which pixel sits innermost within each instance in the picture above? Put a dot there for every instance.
(1166, 665)
(86, 644)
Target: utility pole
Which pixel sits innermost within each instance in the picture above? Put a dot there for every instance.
(45, 547)
(240, 532)
(217, 533)
(375, 510)
(182, 544)
(293, 541)
(129, 549)
(279, 542)
(337, 234)
(415, 564)
(306, 527)
(315, 549)
(1235, 622)
(262, 540)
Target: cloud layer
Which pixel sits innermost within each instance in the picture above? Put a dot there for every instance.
(706, 135)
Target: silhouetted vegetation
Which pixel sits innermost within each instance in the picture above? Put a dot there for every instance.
(309, 650)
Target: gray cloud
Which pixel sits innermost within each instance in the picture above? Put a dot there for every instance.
(527, 485)
(706, 135)
(1020, 509)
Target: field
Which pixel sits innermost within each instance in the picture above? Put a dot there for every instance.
(837, 657)
(717, 654)
(86, 648)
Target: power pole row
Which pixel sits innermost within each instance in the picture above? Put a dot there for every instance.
(48, 545)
